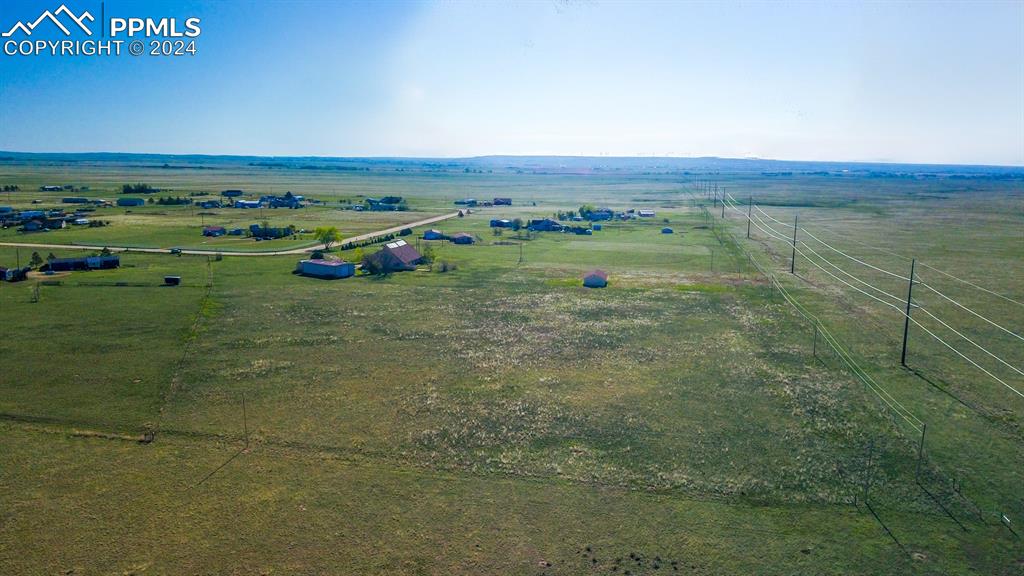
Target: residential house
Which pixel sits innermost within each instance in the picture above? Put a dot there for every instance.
(545, 225)
(214, 231)
(270, 233)
(130, 202)
(433, 235)
(394, 256)
(502, 201)
(84, 263)
(462, 238)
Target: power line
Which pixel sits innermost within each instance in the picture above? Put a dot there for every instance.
(897, 255)
(972, 284)
(1011, 333)
(916, 323)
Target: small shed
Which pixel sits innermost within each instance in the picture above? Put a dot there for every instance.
(130, 202)
(595, 279)
(214, 231)
(321, 268)
(462, 238)
(646, 213)
(172, 280)
(433, 235)
(666, 230)
(596, 227)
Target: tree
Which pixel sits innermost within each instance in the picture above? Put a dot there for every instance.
(327, 235)
(36, 260)
(427, 254)
(357, 255)
(586, 210)
(517, 224)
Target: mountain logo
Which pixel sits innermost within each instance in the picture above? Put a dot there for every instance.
(27, 28)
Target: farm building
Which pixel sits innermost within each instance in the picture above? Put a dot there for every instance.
(646, 213)
(600, 214)
(596, 226)
(235, 232)
(75, 200)
(231, 193)
(81, 222)
(501, 223)
(289, 200)
(320, 268)
(502, 201)
(210, 204)
(51, 188)
(247, 203)
(466, 202)
(214, 231)
(545, 225)
(6, 209)
(130, 202)
(85, 263)
(462, 238)
(394, 256)
(666, 230)
(595, 279)
(433, 235)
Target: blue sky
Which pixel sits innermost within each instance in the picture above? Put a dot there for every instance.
(913, 82)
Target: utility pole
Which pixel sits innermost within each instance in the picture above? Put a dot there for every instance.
(868, 472)
(723, 203)
(792, 260)
(920, 451)
(750, 206)
(906, 320)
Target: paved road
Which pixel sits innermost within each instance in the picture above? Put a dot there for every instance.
(302, 250)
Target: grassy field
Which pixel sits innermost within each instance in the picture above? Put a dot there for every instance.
(499, 418)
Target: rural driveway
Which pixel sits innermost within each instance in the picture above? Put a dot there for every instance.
(303, 250)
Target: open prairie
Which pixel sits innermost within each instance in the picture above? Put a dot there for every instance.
(487, 413)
